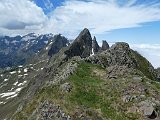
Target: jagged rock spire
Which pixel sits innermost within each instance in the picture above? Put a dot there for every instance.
(82, 46)
(95, 45)
(105, 45)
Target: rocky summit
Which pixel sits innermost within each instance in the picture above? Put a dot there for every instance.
(82, 46)
(81, 81)
(105, 45)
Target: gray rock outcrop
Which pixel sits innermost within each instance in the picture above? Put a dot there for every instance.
(105, 45)
(146, 107)
(82, 46)
(66, 87)
(95, 46)
(119, 54)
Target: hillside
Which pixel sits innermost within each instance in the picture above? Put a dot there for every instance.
(82, 81)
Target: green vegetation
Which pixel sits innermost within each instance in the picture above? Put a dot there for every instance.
(143, 65)
(97, 98)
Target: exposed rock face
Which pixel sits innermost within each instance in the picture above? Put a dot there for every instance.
(82, 46)
(48, 110)
(58, 42)
(116, 71)
(146, 107)
(66, 87)
(119, 54)
(105, 45)
(95, 46)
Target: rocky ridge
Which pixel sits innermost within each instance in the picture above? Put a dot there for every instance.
(74, 83)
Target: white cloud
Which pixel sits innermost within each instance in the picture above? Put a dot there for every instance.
(23, 16)
(100, 16)
(150, 51)
(20, 16)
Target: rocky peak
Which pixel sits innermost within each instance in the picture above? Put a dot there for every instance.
(82, 46)
(120, 54)
(120, 46)
(95, 45)
(105, 45)
(57, 43)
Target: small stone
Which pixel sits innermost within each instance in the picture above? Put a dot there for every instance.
(137, 78)
(127, 98)
(66, 87)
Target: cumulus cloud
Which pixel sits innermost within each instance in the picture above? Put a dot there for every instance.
(150, 51)
(100, 16)
(20, 15)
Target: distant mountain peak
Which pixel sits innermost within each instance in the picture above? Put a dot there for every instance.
(58, 42)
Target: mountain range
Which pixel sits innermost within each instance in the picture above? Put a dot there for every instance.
(51, 78)
(17, 50)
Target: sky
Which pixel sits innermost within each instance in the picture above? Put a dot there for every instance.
(136, 22)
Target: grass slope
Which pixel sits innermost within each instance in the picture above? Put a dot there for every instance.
(91, 95)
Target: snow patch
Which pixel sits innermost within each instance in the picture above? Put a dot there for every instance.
(2, 103)
(26, 70)
(47, 48)
(67, 44)
(42, 68)
(25, 74)
(5, 80)
(11, 94)
(20, 75)
(20, 66)
(92, 52)
(13, 72)
(19, 71)
(15, 83)
(7, 94)
(21, 84)
(45, 42)
(50, 43)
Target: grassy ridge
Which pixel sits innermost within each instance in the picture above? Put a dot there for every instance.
(90, 94)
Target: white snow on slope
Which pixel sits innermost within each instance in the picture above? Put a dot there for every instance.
(13, 72)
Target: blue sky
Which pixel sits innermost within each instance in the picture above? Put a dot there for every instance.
(145, 33)
(136, 22)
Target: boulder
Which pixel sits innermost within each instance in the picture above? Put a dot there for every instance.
(66, 87)
(147, 109)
